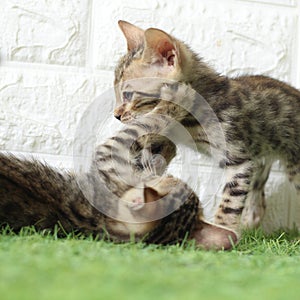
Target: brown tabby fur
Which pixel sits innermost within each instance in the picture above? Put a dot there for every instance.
(32, 193)
(259, 116)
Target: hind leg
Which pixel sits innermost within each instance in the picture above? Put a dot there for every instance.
(243, 203)
(255, 204)
(254, 210)
(293, 172)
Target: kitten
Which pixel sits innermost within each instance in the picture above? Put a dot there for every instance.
(147, 136)
(259, 116)
(32, 193)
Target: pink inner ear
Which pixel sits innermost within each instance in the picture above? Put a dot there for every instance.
(166, 50)
(170, 59)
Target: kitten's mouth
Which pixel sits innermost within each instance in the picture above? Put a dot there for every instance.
(126, 116)
(126, 119)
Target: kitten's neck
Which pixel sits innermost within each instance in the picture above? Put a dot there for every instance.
(205, 80)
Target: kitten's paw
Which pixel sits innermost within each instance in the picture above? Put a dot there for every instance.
(252, 216)
(159, 164)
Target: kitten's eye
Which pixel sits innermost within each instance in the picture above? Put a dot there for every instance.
(127, 96)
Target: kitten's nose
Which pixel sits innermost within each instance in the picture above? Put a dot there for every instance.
(118, 117)
(118, 112)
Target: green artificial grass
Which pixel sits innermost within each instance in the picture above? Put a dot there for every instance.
(40, 266)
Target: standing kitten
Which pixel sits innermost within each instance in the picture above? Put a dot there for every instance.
(259, 116)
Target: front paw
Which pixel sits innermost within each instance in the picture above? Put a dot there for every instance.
(252, 215)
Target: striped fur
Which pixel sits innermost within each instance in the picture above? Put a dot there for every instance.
(125, 187)
(259, 116)
(33, 193)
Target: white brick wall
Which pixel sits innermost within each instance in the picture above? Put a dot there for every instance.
(57, 56)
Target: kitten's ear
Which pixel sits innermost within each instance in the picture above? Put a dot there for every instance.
(160, 187)
(150, 194)
(212, 237)
(160, 48)
(133, 34)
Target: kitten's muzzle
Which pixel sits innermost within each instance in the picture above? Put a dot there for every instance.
(118, 112)
(117, 117)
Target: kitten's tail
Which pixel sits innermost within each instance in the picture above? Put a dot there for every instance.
(43, 182)
(32, 193)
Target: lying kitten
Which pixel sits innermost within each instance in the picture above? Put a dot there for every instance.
(258, 116)
(32, 193)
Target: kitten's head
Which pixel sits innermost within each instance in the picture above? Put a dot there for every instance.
(138, 203)
(152, 53)
(152, 190)
(206, 235)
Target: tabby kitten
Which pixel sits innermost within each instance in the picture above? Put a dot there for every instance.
(32, 193)
(123, 150)
(259, 116)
